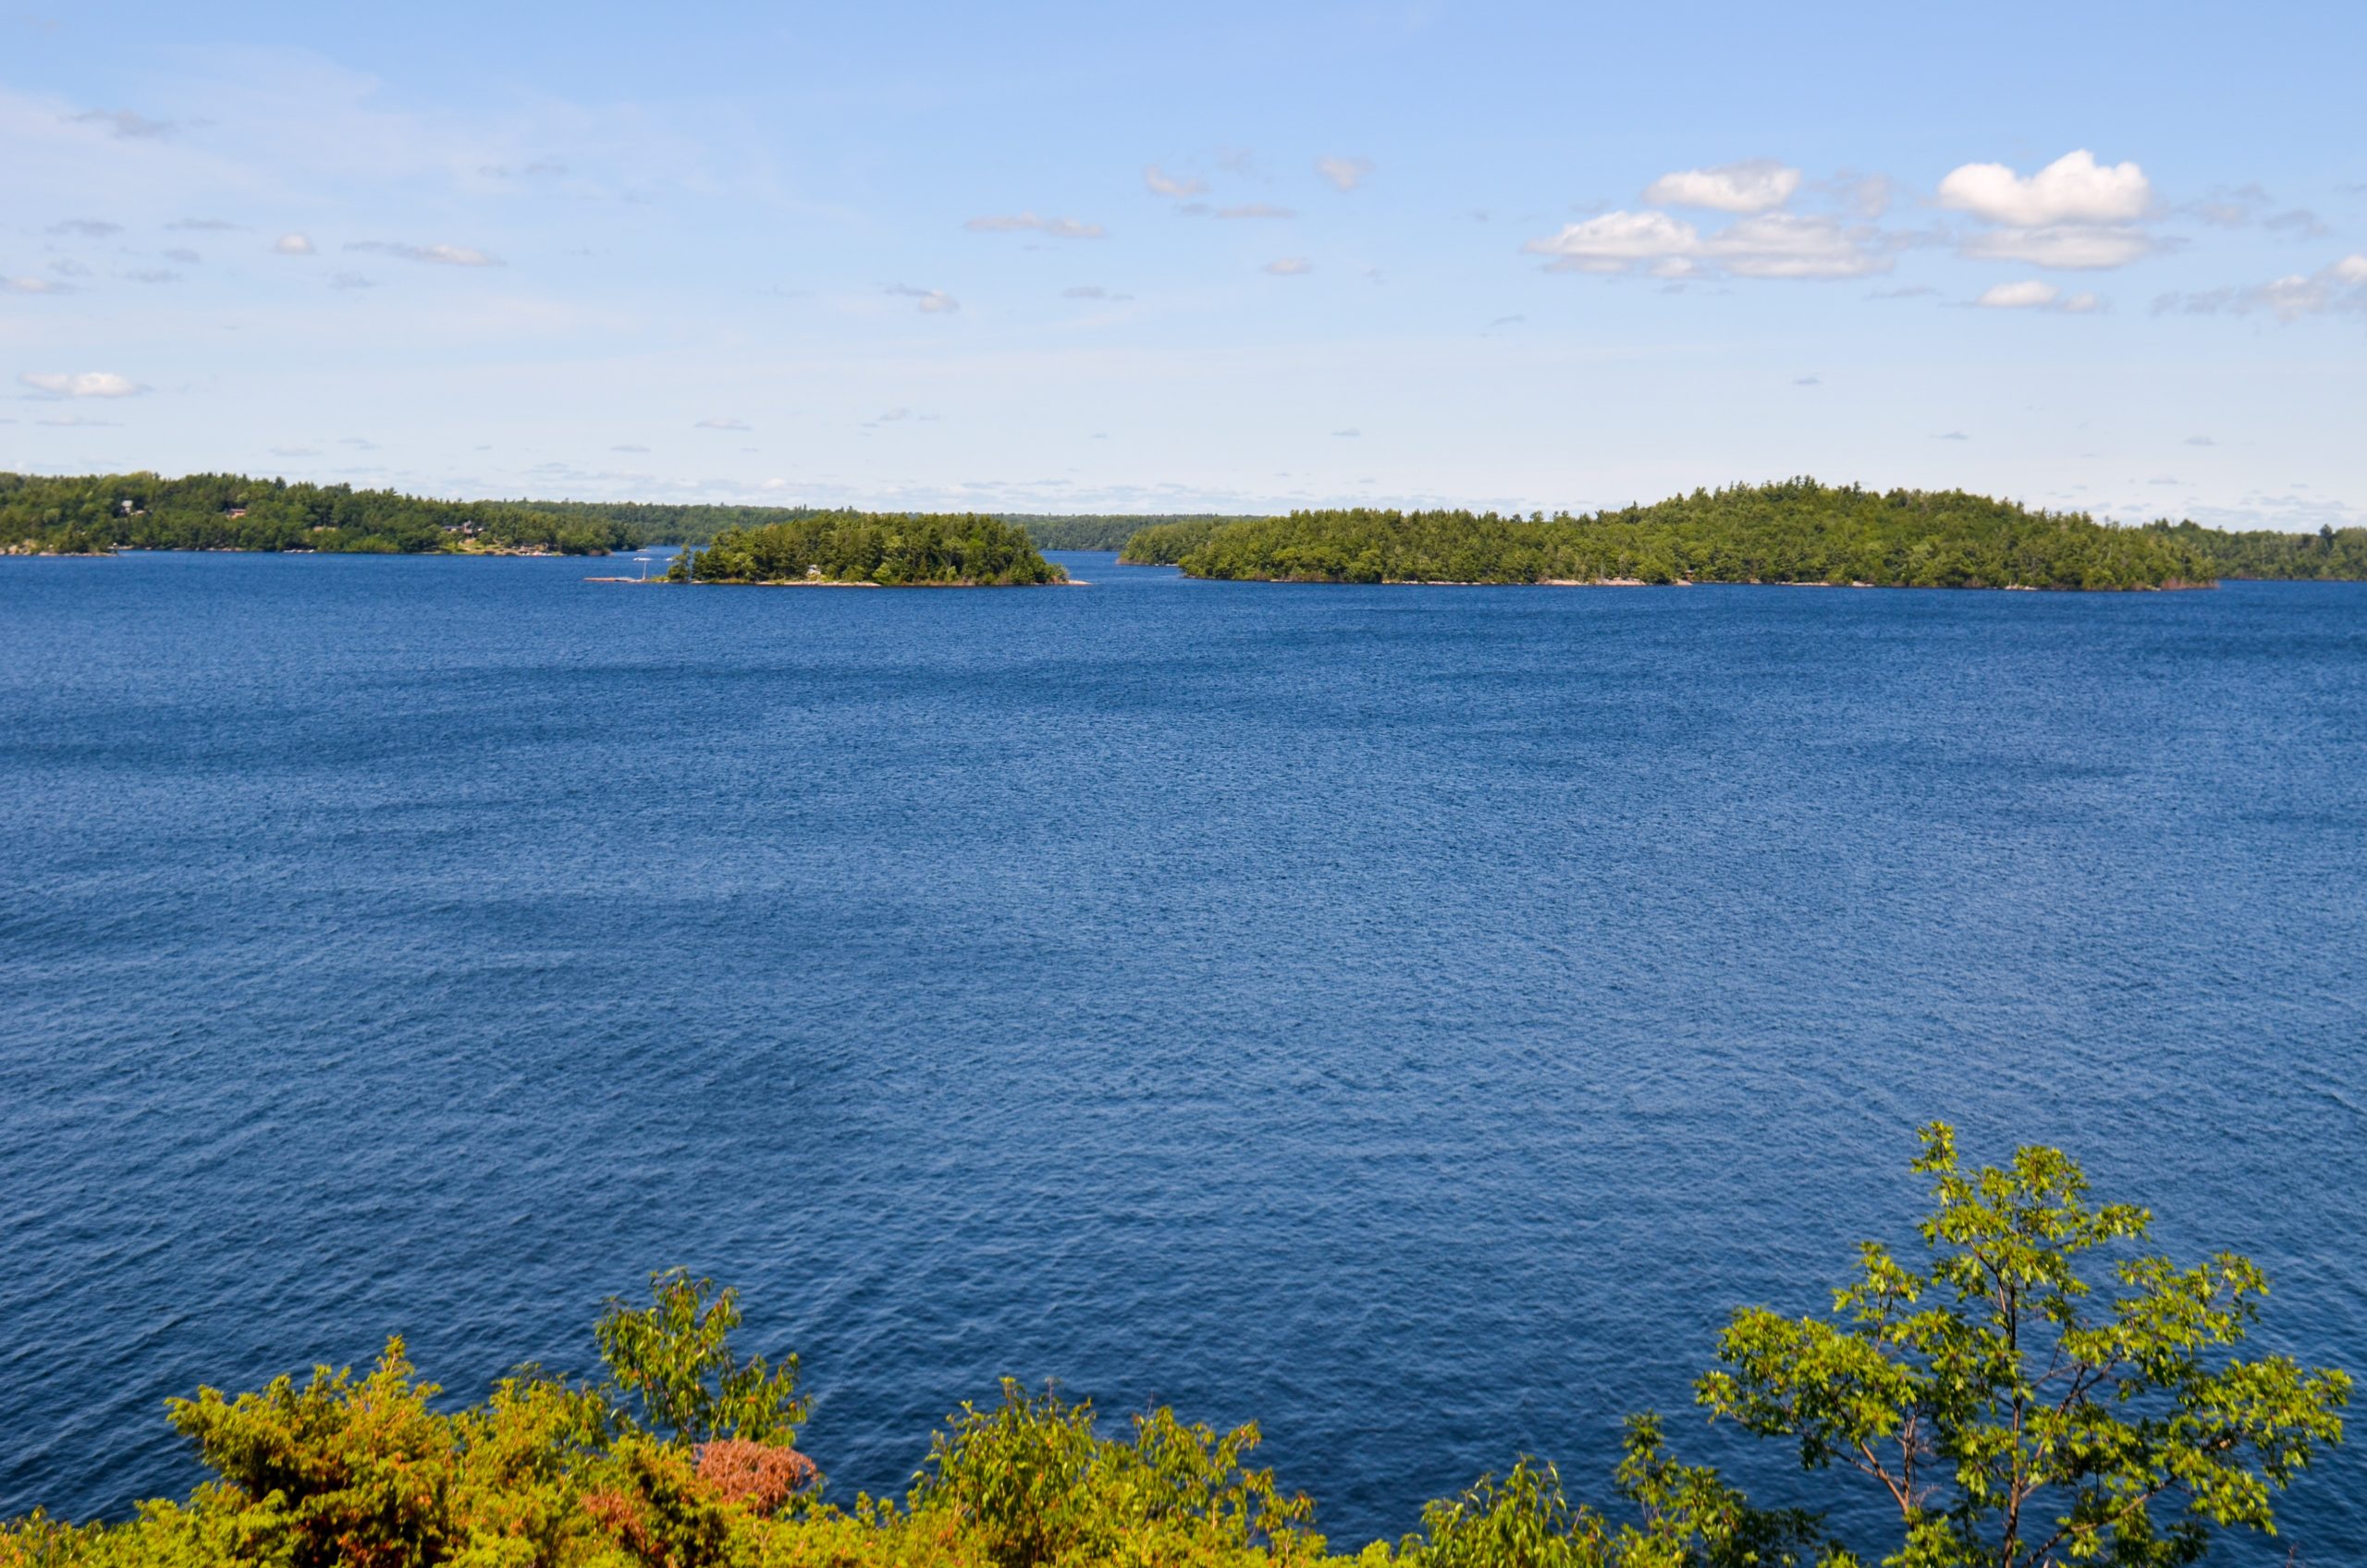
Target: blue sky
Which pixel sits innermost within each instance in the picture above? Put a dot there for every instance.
(1052, 257)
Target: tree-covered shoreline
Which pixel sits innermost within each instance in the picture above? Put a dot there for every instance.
(1795, 531)
(2001, 1399)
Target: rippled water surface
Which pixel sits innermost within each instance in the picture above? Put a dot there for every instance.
(1409, 1017)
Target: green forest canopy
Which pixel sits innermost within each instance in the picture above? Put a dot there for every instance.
(1793, 531)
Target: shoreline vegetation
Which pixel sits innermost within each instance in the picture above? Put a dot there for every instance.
(2002, 1400)
(1794, 532)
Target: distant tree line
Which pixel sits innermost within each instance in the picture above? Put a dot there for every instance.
(1795, 531)
(894, 550)
(2330, 553)
(1101, 532)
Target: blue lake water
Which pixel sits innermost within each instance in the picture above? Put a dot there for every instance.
(1410, 1018)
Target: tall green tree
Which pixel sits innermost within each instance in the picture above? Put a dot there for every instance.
(2041, 1390)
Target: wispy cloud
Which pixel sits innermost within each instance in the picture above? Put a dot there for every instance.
(81, 384)
(1769, 245)
(1158, 182)
(352, 280)
(1059, 228)
(87, 228)
(1257, 210)
(1345, 174)
(436, 255)
(629, 447)
(928, 302)
(34, 286)
(2341, 287)
(206, 226)
(1290, 266)
(122, 122)
(721, 424)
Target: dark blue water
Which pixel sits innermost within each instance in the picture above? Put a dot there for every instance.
(1410, 1018)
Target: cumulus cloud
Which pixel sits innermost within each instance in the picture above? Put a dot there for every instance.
(1345, 174)
(1757, 185)
(84, 384)
(1059, 228)
(87, 228)
(1257, 210)
(1779, 245)
(436, 255)
(121, 122)
(2074, 188)
(1290, 266)
(2033, 295)
(1160, 183)
(928, 302)
(293, 245)
(2071, 247)
(2340, 287)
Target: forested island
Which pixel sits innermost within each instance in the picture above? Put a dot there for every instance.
(1793, 531)
(2099, 1406)
(898, 550)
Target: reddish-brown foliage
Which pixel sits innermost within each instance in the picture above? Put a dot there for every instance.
(759, 1476)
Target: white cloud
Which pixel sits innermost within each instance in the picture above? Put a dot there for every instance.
(2074, 188)
(721, 424)
(1290, 266)
(2018, 295)
(1255, 210)
(1160, 183)
(85, 384)
(2072, 247)
(928, 302)
(439, 255)
(1757, 185)
(31, 285)
(293, 245)
(1345, 174)
(2034, 295)
(1059, 228)
(2351, 269)
(1781, 245)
